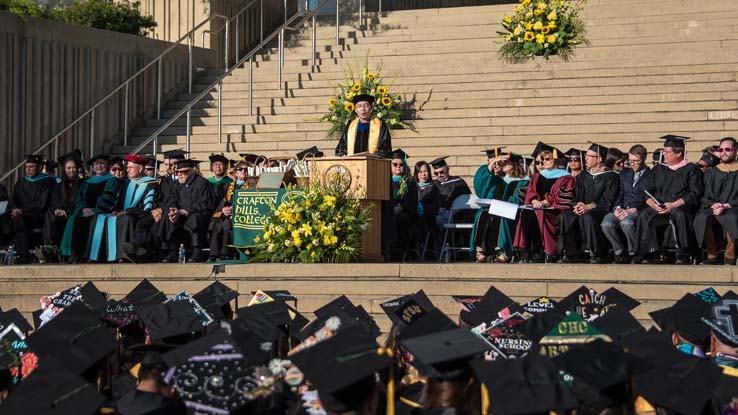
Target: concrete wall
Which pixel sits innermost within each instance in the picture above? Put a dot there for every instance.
(50, 73)
(389, 5)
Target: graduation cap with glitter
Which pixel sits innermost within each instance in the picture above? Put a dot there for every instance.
(539, 305)
(200, 311)
(590, 304)
(723, 319)
(506, 339)
(119, 313)
(573, 329)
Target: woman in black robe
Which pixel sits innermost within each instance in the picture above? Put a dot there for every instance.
(63, 198)
(221, 223)
(399, 230)
(429, 203)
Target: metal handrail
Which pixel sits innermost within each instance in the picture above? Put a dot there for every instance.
(219, 81)
(126, 85)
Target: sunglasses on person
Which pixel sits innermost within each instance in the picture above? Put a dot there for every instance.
(396, 164)
(240, 168)
(575, 159)
(725, 149)
(116, 169)
(439, 173)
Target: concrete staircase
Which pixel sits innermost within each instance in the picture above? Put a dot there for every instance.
(651, 68)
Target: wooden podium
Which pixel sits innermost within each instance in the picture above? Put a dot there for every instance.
(369, 177)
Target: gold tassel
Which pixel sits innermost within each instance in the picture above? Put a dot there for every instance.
(485, 400)
(556, 154)
(390, 381)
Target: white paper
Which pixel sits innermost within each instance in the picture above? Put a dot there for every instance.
(3, 206)
(504, 209)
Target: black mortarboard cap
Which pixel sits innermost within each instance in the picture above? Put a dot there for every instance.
(601, 150)
(723, 319)
(337, 305)
(75, 156)
(251, 158)
(93, 297)
(679, 382)
(177, 154)
(76, 336)
(202, 345)
(362, 97)
(13, 316)
(494, 152)
(674, 141)
(658, 155)
(685, 317)
(51, 165)
(619, 324)
(710, 160)
(269, 319)
(187, 164)
(515, 158)
(151, 163)
(539, 325)
(615, 297)
(532, 384)
(215, 296)
(342, 367)
(431, 322)
(169, 319)
(574, 152)
(445, 354)
(92, 160)
(8, 356)
(35, 158)
(399, 154)
(406, 309)
(486, 310)
(708, 295)
(281, 295)
(115, 160)
(439, 162)
(541, 146)
(145, 293)
(570, 301)
(218, 157)
(53, 389)
(312, 152)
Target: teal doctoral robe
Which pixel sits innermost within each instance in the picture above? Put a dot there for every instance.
(487, 185)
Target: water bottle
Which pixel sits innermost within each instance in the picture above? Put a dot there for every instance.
(181, 257)
(10, 256)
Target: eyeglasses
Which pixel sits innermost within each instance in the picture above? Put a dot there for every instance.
(396, 164)
(725, 149)
(116, 169)
(240, 168)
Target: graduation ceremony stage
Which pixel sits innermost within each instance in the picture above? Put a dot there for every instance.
(370, 284)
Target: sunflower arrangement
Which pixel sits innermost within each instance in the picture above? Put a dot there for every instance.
(542, 28)
(361, 80)
(318, 224)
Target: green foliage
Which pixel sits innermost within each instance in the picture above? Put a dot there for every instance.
(22, 8)
(100, 14)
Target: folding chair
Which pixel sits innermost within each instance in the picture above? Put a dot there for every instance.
(461, 203)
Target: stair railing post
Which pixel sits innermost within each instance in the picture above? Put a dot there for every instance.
(92, 133)
(261, 21)
(189, 63)
(251, 85)
(226, 45)
(281, 57)
(189, 125)
(237, 40)
(380, 6)
(285, 11)
(361, 20)
(220, 112)
(314, 41)
(338, 31)
(158, 89)
(125, 117)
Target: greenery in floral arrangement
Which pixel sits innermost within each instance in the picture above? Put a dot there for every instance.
(542, 28)
(315, 224)
(388, 107)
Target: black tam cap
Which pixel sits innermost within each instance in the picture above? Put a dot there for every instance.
(439, 162)
(363, 97)
(399, 154)
(493, 152)
(710, 159)
(75, 156)
(674, 141)
(600, 150)
(312, 152)
(218, 157)
(177, 154)
(187, 164)
(92, 160)
(723, 319)
(35, 158)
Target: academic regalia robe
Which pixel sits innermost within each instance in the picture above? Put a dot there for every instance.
(197, 198)
(542, 225)
(6, 225)
(579, 233)
(99, 193)
(111, 232)
(32, 195)
(400, 219)
(409, 398)
(669, 185)
(221, 226)
(429, 201)
(373, 137)
(485, 232)
(449, 190)
(220, 186)
(514, 193)
(721, 186)
(64, 197)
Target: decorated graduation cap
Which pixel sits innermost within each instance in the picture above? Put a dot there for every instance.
(723, 319)
(187, 164)
(399, 154)
(343, 368)
(674, 141)
(445, 354)
(439, 162)
(710, 159)
(136, 159)
(35, 159)
(177, 154)
(539, 305)
(493, 152)
(216, 298)
(218, 157)
(573, 330)
(13, 316)
(408, 308)
(488, 307)
(312, 152)
(541, 146)
(599, 149)
(363, 97)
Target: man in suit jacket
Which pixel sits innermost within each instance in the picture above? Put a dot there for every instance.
(622, 220)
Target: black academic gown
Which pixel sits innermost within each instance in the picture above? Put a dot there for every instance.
(6, 225)
(399, 223)
(430, 200)
(138, 402)
(451, 189)
(583, 232)
(356, 139)
(669, 185)
(197, 198)
(221, 226)
(720, 187)
(32, 195)
(63, 198)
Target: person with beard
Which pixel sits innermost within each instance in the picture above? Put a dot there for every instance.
(718, 213)
(365, 134)
(595, 195)
(676, 187)
(64, 198)
(31, 200)
(400, 215)
(221, 224)
(98, 194)
(188, 208)
(219, 180)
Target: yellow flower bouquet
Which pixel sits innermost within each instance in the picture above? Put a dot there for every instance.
(315, 224)
(390, 108)
(542, 28)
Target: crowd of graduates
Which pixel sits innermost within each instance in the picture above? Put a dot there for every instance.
(596, 206)
(203, 354)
